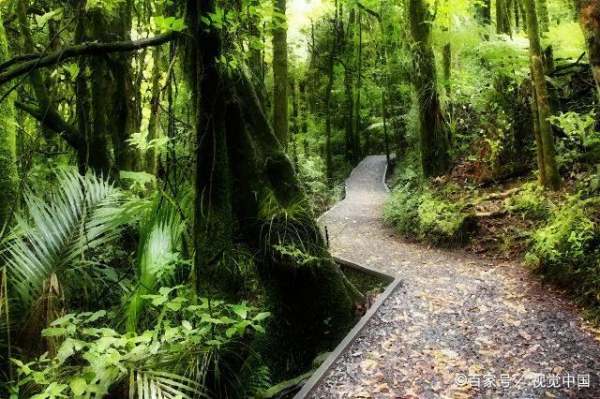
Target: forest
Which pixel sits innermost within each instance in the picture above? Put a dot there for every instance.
(203, 198)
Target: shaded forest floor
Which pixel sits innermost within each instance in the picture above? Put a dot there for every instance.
(459, 325)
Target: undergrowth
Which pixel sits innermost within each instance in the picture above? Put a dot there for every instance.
(416, 210)
(566, 250)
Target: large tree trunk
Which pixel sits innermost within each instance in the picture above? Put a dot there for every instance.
(247, 193)
(280, 72)
(549, 166)
(589, 17)
(433, 130)
(106, 114)
(213, 215)
(8, 145)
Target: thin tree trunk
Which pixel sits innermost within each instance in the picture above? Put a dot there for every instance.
(447, 65)
(502, 17)
(535, 117)
(280, 72)
(8, 146)
(357, 106)
(385, 127)
(349, 88)
(154, 119)
(328, 89)
(550, 167)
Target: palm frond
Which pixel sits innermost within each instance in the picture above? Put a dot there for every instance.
(56, 232)
(150, 384)
(160, 239)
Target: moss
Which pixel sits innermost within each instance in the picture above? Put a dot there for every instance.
(305, 289)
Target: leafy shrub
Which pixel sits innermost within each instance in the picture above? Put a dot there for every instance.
(171, 360)
(530, 202)
(581, 139)
(420, 214)
(567, 248)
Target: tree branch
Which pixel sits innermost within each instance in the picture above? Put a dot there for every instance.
(83, 49)
(369, 11)
(52, 120)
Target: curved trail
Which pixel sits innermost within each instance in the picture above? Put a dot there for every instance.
(458, 327)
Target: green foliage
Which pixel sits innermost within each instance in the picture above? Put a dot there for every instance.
(422, 214)
(582, 139)
(530, 202)
(312, 174)
(169, 24)
(439, 219)
(103, 5)
(566, 38)
(567, 248)
(94, 360)
(157, 254)
(567, 236)
(55, 234)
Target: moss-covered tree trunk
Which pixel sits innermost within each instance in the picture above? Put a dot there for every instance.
(433, 130)
(589, 18)
(104, 88)
(543, 16)
(538, 137)
(447, 66)
(247, 194)
(8, 144)
(550, 168)
(280, 72)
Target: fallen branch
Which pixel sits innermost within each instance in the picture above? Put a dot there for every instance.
(36, 61)
(502, 195)
(490, 214)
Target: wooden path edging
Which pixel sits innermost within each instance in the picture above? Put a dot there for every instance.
(321, 372)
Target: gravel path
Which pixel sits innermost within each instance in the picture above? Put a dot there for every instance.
(458, 327)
